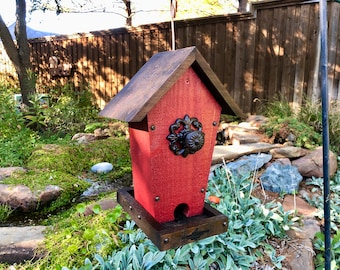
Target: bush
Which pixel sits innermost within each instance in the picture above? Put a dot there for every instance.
(301, 128)
(70, 110)
(16, 140)
(305, 125)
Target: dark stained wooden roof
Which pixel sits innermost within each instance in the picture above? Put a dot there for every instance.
(157, 76)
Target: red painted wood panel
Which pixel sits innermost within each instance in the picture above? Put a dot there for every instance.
(157, 171)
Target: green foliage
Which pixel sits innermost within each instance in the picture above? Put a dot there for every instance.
(279, 129)
(317, 201)
(306, 124)
(71, 185)
(78, 236)
(5, 212)
(284, 123)
(16, 140)
(78, 158)
(70, 110)
(251, 224)
(319, 245)
(35, 114)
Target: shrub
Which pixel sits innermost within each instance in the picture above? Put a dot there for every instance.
(305, 125)
(302, 128)
(16, 140)
(70, 110)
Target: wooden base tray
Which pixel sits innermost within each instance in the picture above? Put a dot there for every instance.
(175, 233)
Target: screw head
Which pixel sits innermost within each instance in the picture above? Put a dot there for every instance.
(157, 198)
(214, 123)
(202, 190)
(152, 127)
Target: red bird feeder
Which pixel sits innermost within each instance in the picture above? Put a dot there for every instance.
(173, 106)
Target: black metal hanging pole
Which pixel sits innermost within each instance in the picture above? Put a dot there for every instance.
(325, 129)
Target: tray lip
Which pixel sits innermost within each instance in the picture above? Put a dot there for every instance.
(159, 232)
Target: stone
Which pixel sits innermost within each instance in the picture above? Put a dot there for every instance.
(288, 152)
(102, 167)
(101, 133)
(21, 198)
(7, 172)
(300, 254)
(84, 138)
(104, 205)
(256, 120)
(19, 244)
(311, 164)
(244, 138)
(283, 161)
(248, 164)
(50, 194)
(281, 178)
(232, 152)
(303, 208)
(18, 197)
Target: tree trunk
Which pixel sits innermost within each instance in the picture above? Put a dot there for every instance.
(242, 5)
(19, 52)
(128, 12)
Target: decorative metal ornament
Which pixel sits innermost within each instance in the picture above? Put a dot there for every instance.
(186, 136)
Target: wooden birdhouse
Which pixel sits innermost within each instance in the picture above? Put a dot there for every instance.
(173, 106)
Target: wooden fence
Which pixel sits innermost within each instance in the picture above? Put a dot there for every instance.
(270, 52)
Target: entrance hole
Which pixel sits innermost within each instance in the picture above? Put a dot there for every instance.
(181, 211)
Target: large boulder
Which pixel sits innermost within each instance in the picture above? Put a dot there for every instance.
(21, 198)
(312, 163)
(288, 152)
(281, 178)
(18, 197)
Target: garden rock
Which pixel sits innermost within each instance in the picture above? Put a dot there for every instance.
(300, 253)
(7, 172)
(104, 205)
(21, 198)
(303, 208)
(102, 167)
(282, 161)
(84, 138)
(19, 244)
(232, 152)
(245, 165)
(281, 178)
(311, 164)
(288, 152)
(18, 197)
(50, 194)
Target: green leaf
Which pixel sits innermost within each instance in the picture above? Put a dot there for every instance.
(81, 207)
(96, 209)
(89, 234)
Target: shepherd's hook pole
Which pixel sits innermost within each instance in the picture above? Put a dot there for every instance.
(325, 129)
(173, 9)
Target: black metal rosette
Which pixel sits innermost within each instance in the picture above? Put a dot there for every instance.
(186, 136)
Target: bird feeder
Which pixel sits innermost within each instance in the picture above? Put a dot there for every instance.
(173, 106)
